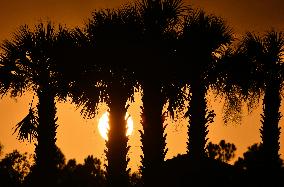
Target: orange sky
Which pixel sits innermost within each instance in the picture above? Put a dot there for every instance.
(78, 137)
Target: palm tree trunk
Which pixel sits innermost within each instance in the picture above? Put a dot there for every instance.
(117, 148)
(197, 128)
(153, 138)
(270, 130)
(45, 150)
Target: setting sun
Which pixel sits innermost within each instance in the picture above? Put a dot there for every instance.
(103, 125)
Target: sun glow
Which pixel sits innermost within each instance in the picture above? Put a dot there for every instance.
(104, 125)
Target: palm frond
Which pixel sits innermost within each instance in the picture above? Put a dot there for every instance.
(27, 128)
(274, 45)
(176, 95)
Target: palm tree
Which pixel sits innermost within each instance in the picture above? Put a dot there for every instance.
(159, 19)
(266, 55)
(112, 35)
(202, 40)
(29, 63)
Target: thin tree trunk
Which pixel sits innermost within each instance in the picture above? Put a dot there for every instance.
(270, 130)
(46, 150)
(117, 148)
(153, 138)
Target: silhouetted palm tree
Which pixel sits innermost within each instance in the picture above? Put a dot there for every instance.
(203, 38)
(266, 54)
(113, 35)
(159, 19)
(30, 62)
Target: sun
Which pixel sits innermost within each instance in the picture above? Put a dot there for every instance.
(103, 125)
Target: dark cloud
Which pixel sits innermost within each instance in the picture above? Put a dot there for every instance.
(243, 15)
(71, 12)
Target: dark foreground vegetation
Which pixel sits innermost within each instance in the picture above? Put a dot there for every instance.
(15, 170)
(173, 55)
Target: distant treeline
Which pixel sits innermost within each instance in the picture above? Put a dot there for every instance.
(15, 169)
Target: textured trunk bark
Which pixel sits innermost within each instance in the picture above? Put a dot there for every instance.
(117, 148)
(46, 150)
(153, 138)
(197, 128)
(270, 130)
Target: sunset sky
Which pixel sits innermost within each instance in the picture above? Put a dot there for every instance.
(78, 137)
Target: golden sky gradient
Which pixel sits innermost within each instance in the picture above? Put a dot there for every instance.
(78, 137)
